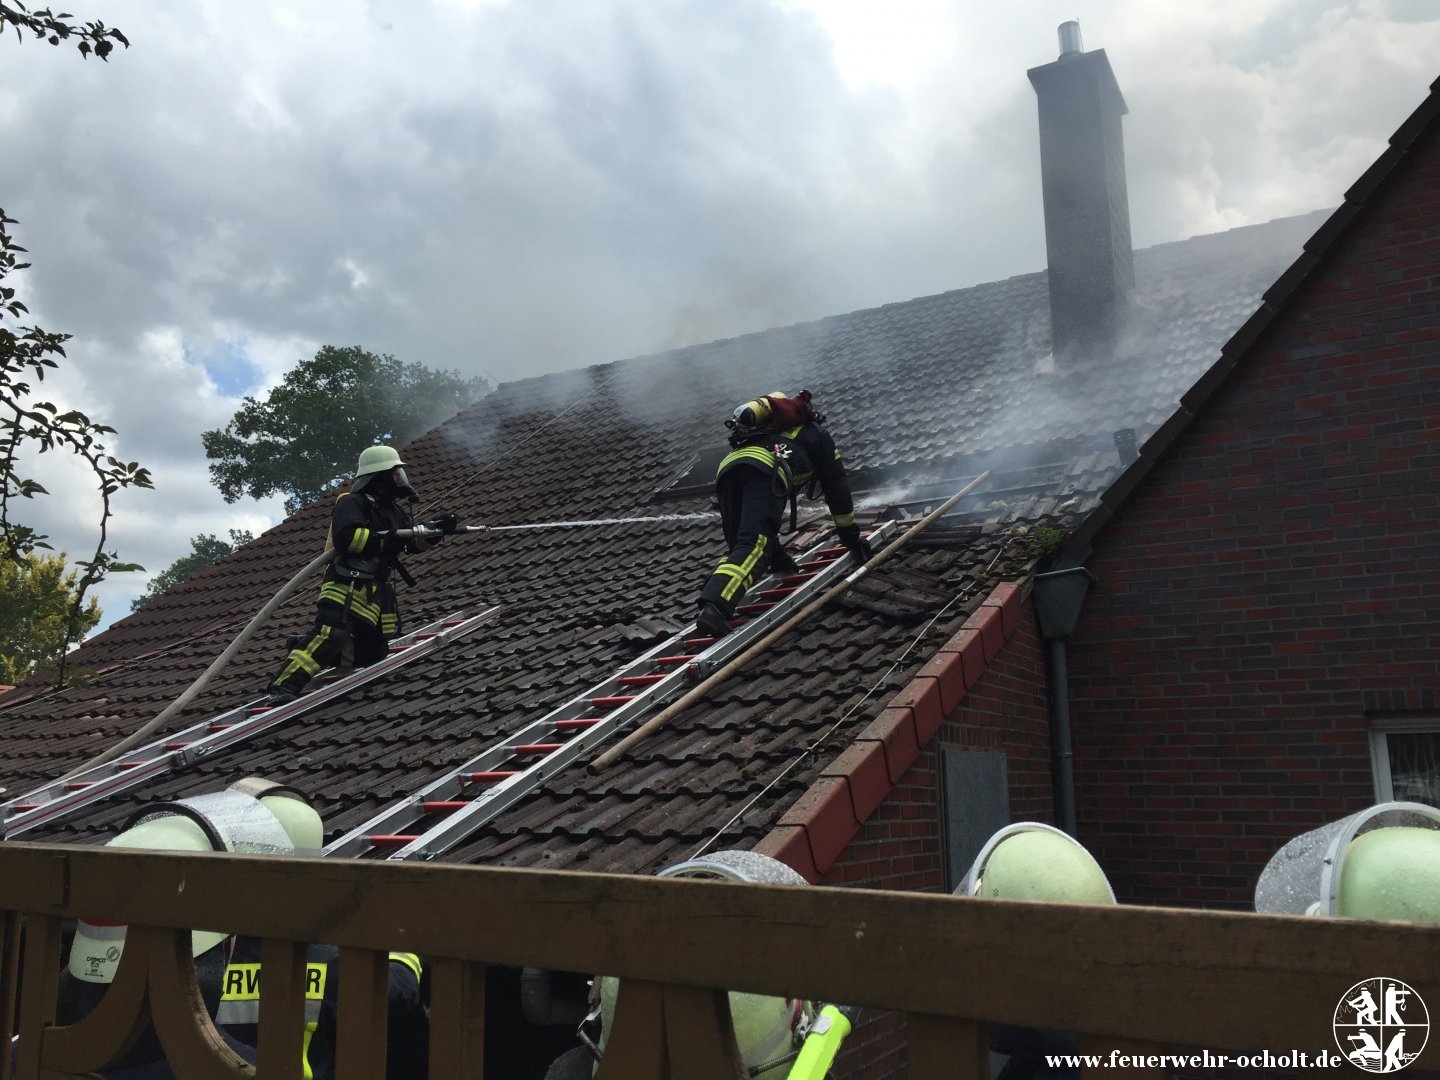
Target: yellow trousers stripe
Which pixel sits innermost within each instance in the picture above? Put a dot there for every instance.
(741, 575)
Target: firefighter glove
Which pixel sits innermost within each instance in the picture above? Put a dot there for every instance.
(445, 523)
(781, 561)
(860, 550)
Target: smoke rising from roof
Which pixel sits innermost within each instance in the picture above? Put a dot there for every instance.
(519, 189)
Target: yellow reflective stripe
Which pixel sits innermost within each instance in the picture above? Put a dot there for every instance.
(792, 433)
(359, 540)
(741, 581)
(756, 453)
(843, 519)
(303, 659)
(409, 959)
(359, 601)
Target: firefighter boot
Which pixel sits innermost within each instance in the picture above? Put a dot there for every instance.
(711, 621)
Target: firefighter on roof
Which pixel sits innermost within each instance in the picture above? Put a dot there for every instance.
(778, 448)
(357, 614)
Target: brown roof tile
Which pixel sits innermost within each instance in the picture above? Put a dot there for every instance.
(922, 395)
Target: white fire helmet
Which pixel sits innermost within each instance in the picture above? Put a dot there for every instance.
(251, 817)
(1381, 863)
(767, 1029)
(1033, 861)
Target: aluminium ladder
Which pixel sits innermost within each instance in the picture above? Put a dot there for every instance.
(441, 814)
(173, 752)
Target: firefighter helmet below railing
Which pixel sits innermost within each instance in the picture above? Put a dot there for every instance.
(1138, 978)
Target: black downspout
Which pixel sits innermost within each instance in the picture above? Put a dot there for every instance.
(1057, 674)
(1059, 596)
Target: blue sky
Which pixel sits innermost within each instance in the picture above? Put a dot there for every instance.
(228, 367)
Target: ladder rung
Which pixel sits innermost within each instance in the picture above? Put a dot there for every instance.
(79, 785)
(442, 806)
(493, 774)
(392, 840)
(220, 727)
(21, 807)
(797, 579)
(683, 658)
(177, 746)
(775, 594)
(578, 724)
(128, 764)
(611, 702)
(755, 609)
(700, 642)
(639, 680)
(536, 749)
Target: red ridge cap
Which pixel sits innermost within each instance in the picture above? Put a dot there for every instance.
(894, 730)
(922, 696)
(862, 767)
(992, 630)
(827, 815)
(790, 844)
(1006, 597)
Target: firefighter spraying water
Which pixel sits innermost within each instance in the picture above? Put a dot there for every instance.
(357, 613)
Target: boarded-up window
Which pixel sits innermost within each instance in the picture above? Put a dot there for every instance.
(975, 794)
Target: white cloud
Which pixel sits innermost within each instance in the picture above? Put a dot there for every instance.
(513, 187)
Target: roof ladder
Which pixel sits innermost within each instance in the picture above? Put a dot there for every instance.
(174, 752)
(440, 815)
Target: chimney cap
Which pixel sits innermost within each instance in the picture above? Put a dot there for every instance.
(1070, 43)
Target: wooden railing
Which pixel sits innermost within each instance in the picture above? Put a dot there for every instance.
(1136, 979)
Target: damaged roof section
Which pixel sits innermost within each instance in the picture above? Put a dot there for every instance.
(723, 773)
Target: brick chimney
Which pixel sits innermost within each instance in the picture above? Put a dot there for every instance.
(1087, 210)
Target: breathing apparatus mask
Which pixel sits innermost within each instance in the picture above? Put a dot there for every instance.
(402, 485)
(393, 482)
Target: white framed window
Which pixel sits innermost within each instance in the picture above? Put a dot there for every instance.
(1405, 759)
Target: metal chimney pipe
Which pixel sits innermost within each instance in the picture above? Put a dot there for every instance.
(1070, 43)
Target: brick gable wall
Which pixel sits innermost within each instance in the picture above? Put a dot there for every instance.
(900, 845)
(1275, 579)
